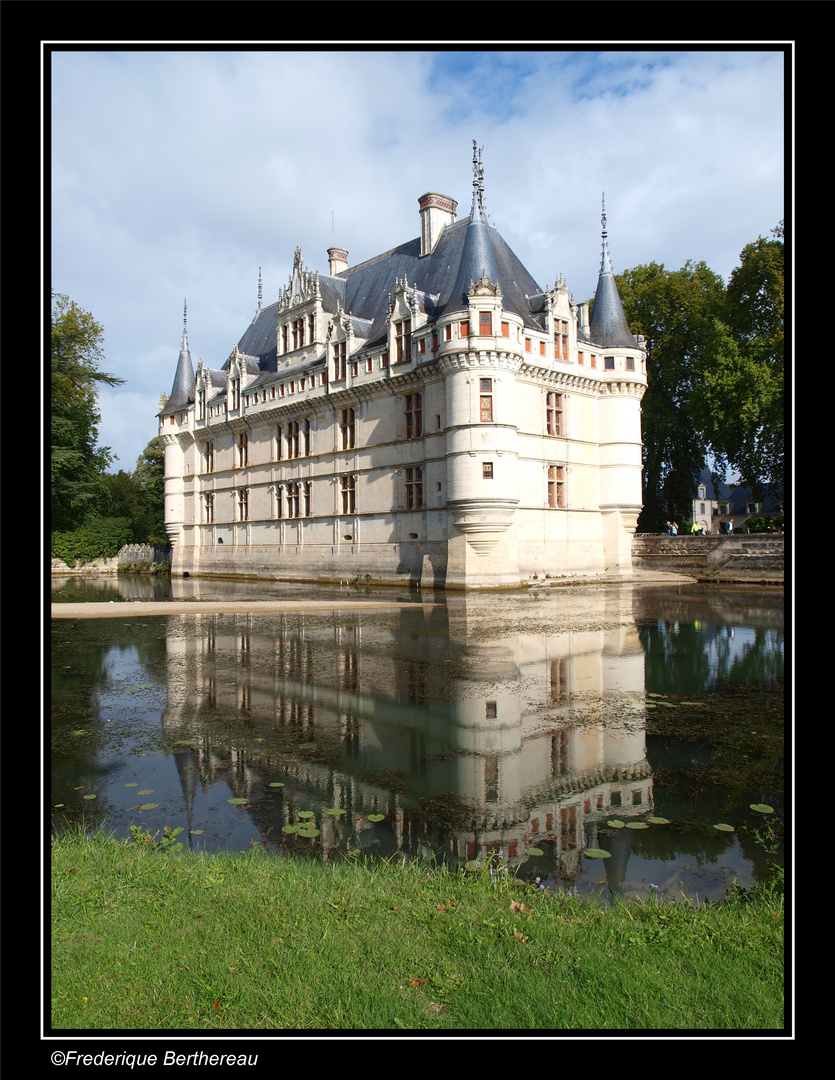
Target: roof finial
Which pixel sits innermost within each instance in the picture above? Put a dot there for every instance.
(605, 260)
(478, 178)
(260, 288)
(185, 321)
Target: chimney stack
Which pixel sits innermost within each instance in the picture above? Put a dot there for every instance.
(436, 212)
(337, 260)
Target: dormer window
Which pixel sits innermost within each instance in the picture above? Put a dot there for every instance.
(702, 491)
(235, 393)
(402, 331)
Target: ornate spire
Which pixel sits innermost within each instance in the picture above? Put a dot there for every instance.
(185, 326)
(609, 327)
(260, 288)
(605, 259)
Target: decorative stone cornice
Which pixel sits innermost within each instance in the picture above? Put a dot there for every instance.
(483, 520)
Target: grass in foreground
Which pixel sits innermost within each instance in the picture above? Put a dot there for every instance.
(152, 940)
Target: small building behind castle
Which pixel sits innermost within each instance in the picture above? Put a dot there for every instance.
(431, 415)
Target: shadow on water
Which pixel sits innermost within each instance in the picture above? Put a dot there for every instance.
(529, 730)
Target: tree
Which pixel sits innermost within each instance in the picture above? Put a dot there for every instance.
(745, 386)
(77, 462)
(149, 476)
(677, 312)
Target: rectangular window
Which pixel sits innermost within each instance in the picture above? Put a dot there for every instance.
(555, 487)
(348, 492)
(279, 445)
(209, 507)
(369, 364)
(465, 330)
(243, 453)
(581, 359)
(285, 337)
(293, 500)
(542, 348)
(414, 488)
(487, 470)
(347, 426)
(485, 323)
(243, 504)
(307, 500)
(561, 339)
(630, 363)
(609, 363)
(553, 414)
(447, 333)
(505, 329)
(235, 387)
(486, 401)
(293, 440)
(210, 457)
(339, 360)
(593, 360)
(414, 416)
(527, 344)
(403, 330)
(298, 333)
(422, 346)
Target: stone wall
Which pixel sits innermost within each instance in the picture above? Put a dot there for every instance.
(129, 555)
(739, 555)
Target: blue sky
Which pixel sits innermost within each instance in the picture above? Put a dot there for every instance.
(178, 172)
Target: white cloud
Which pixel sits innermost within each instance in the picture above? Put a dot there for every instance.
(178, 174)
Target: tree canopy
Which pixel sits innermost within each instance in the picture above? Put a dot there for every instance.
(715, 375)
(77, 461)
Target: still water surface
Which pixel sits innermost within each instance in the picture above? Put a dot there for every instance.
(529, 725)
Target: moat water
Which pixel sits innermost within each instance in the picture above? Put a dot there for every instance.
(531, 730)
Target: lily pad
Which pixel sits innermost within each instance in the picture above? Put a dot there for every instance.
(615, 824)
(276, 785)
(637, 825)
(88, 796)
(305, 813)
(596, 853)
(376, 817)
(238, 802)
(534, 851)
(147, 791)
(58, 806)
(134, 784)
(724, 828)
(290, 828)
(762, 808)
(197, 832)
(304, 831)
(336, 812)
(658, 820)
(699, 703)
(149, 806)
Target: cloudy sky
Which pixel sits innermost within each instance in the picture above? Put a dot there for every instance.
(176, 173)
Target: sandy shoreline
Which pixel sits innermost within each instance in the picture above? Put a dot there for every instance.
(127, 609)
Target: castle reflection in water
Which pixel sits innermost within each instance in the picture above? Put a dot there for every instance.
(473, 726)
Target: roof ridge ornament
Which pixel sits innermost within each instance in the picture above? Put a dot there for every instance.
(185, 326)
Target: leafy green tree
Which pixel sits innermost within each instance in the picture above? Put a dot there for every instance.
(745, 386)
(77, 461)
(149, 476)
(677, 312)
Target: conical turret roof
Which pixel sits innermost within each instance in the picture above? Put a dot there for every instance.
(609, 327)
(182, 392)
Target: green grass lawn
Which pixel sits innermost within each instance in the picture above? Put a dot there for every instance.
(153, 940)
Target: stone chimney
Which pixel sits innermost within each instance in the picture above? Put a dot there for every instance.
(337, 260)
(436, 212)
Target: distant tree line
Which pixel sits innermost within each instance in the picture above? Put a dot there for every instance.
(93, 512)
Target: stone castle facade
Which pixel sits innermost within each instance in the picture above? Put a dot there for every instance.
(431, 415)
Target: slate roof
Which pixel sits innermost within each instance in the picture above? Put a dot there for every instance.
(465, 251)
(182, 391)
